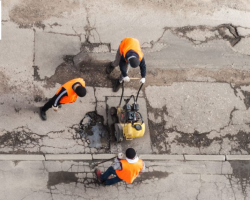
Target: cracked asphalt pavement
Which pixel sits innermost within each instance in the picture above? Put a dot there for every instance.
(172, 179)
(196, 92)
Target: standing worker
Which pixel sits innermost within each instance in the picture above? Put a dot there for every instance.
(67, 93)
(124, 169)
(129, 54)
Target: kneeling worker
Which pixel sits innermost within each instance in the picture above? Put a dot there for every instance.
(129, 54)
(67, 93)
(124, 169)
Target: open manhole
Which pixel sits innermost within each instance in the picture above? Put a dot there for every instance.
(94, 130)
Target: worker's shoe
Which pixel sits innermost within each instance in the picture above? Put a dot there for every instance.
(43, 114)
(98, 175)
(116, 85)
(109, 68)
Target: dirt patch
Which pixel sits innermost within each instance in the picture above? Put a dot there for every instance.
(34, 12)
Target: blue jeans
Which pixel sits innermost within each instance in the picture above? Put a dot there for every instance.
(105, 175)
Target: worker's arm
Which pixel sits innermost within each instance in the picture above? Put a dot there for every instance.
(143, 68)
(59, 96)
(123, 66)
(143, 168)
(117, 165)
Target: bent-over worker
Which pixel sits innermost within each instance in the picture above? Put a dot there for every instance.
(67, 93)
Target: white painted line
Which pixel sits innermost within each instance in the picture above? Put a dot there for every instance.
(68, 156)
(160, 157)
(21, 157)
(237, 157)
(103, 156)
(205, 157)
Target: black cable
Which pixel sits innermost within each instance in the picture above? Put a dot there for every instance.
(139, 91)
(122, 93)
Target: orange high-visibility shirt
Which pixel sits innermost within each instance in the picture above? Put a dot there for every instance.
(72, 96)
(131, 44)
(129, 170)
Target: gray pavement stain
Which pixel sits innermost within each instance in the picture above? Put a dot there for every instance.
(243, 140)
(36, 74)
(4, 87)
(161, 141)
(227, 32)
(63, 177)
(27, 12)
(93, 129)
(93, 72)
(56, 178)
(90, 47)
(241, 172)
(247, 98)
(151, 175)
(19, 140)
(196, 139)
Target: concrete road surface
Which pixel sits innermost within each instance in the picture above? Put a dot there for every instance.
(195, 99)
(162, 180)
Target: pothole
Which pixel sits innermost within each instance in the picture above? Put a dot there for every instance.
(94, 131)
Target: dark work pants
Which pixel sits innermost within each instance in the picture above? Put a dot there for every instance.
(50, 103)
(105, 176)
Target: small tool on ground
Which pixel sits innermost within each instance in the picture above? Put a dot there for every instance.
(93, 165)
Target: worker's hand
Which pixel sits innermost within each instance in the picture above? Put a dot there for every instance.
(120, 156)
(142, 80)
(55, 108)
(126, 79)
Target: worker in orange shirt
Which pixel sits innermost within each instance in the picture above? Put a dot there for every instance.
(123, 169)
(67, 93)
(129, 54)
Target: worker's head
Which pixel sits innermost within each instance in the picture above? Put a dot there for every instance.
(130, 153)
(133, 61)
(80, 91)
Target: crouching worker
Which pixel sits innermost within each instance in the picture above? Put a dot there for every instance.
(67, 93)
(124, 169)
